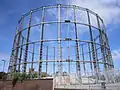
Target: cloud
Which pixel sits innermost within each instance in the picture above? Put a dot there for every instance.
(108, 1)
(4, 56)
(116, 54)
(116, 57)
(37, 19)
(105, 8)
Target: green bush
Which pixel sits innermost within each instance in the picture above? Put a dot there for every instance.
(3, 76)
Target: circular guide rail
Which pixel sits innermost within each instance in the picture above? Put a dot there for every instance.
(60, 39)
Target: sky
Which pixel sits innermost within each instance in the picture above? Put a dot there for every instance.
(12, 10)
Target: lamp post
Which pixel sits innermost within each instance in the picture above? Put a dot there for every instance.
(3, 64)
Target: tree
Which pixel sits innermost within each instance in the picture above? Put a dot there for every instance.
(44, 74)
(35, 75)
(3, 75)
(15, 79)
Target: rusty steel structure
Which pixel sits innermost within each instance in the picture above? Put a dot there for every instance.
(61, 39)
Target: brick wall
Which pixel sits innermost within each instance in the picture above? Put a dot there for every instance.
(42, 84)
(68, 89)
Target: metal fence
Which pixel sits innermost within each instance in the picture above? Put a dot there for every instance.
(109, 79)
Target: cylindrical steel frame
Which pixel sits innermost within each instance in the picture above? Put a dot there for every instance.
(67, 51)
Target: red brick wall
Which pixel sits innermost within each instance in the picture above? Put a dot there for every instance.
(43, 84)
(68, 89)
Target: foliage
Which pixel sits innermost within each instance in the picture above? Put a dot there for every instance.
(35, 75)
(44, 74)
(3, 76)
(17, 76)
(22, 76)
(14, 78)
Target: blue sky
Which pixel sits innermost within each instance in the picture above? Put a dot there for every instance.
(12, 10)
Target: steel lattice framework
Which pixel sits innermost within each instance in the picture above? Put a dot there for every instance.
(60, 38)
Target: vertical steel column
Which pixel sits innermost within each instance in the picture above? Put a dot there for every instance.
(61, 48)
(18, 42)
(97, 61)
(41, 44)
(91, 66)
(21, 51)
(110, 61)
(104, 50)
(107, 56)
(101, 42)
(68, 51)
(27, 45)
(92, 43)
(59, 42)
(33, 52)
(77, 49)
(54, 61)
(46, 59)
(10, 68)
(108, 52)
(83, 59)
(11, 62)
(69, 59)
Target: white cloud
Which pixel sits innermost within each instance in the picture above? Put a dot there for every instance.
(4, 56)
(116, 54)
(108, 1)
(105, 8)
(37, 19)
